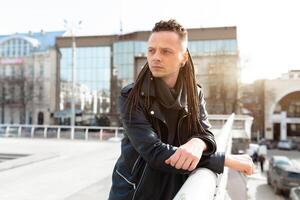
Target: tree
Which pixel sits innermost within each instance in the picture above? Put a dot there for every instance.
(19, 90)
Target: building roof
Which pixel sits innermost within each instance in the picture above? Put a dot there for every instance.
(194, 34)
(42, 40)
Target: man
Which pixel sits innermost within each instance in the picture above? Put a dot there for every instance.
(166, 128)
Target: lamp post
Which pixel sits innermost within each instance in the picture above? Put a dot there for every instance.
(72, 32)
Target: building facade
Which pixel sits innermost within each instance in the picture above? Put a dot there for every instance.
(107, 63)
(282, 107)
(28, 78)
(275, 106)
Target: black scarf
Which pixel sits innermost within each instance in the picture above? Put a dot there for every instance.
(172, 102)
(174, 98)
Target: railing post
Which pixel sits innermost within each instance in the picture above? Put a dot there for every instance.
(58, 133)
(86, 133)
(19, 131)
(32, 132)
(101, 134)
(72, 132)
(45, 132)
(7, 131)
(116, 132)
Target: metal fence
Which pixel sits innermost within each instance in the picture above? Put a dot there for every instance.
(61, 132)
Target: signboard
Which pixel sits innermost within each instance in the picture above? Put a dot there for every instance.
(12, 61)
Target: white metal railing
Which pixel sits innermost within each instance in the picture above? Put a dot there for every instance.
(61, 132)
(203, 183)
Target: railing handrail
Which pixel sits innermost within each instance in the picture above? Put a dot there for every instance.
(203, 183)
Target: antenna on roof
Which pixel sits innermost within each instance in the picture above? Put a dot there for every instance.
(121, 27)
(121, 23)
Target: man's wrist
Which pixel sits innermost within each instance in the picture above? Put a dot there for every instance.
(201, 143)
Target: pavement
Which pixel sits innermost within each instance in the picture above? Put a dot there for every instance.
(57, 169)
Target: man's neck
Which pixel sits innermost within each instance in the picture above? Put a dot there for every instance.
(170, 82)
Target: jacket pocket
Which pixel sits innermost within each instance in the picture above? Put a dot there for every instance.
(126, 179)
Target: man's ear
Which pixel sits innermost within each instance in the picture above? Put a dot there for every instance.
(185, 57)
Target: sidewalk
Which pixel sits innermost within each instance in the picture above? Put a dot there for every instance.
(76, 170)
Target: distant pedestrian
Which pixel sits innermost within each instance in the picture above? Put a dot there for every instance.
(262, 153)
(255, 157)
(261, 159)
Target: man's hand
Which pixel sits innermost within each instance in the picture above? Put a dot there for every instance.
(188, 155)
(242, 163)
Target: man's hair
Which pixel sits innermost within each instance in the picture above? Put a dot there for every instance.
(173, 26)
(188, 73)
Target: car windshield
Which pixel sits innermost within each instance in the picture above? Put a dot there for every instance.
(294, 175)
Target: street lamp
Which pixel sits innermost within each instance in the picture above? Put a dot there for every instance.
(72, 31)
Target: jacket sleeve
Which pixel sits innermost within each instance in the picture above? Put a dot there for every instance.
(214, 162)
(208, 136)
(147, 143)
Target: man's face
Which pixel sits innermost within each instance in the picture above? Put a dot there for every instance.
(165, 55)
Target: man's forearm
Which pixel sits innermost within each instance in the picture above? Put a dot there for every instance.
(242, 163)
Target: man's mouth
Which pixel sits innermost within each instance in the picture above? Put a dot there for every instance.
(156, 67)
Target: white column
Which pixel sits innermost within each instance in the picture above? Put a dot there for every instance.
(95, 102)
(283, 125)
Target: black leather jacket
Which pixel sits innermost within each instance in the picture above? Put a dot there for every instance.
(140, 171)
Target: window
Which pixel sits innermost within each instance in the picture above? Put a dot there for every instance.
(213, 91)
(8, 71)
(41, 70)
(41, 93)
(31, 70)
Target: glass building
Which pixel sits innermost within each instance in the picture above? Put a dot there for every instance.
(92, 79)
(212, 47)
(124, 58)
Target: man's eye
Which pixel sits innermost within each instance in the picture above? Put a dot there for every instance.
(150, 50)
(166, 51)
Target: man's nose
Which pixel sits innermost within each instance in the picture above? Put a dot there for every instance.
(157, 56)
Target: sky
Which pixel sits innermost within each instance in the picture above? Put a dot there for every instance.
(268, 31)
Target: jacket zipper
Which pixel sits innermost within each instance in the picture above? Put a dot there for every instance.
(131, 183)
(139, 182)
(178, 125)
(134, 165)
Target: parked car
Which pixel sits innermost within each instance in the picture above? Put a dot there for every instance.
(295, 193)
(287, 145)
(298, 146)
(282, 174)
